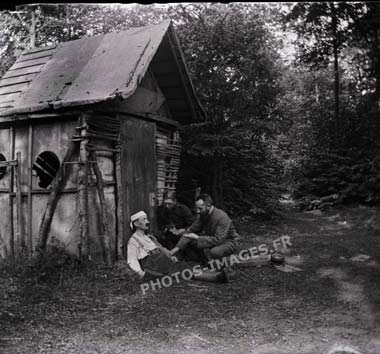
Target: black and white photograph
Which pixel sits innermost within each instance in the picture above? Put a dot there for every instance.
(190, 177)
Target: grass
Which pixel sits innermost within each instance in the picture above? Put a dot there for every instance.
(92, 309)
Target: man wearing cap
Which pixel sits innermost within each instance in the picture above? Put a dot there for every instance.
(147, 257)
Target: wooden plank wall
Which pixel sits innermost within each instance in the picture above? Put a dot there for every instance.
(138, 167)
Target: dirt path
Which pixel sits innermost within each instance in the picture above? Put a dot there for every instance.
(333, 303)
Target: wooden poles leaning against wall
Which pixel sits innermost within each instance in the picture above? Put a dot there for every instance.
(10, 191)
(21, 244)
(84, 246)
(104, 238)
(30, 187)
(57, 185)
(87, 158)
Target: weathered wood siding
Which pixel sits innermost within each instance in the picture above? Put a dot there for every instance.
(53, 136)
(138, 167)
(147, 98)
(5, 230)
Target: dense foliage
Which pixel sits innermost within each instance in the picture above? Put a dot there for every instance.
(335, 145)
(237, 80)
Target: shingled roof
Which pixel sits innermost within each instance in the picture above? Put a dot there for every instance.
(100, 68)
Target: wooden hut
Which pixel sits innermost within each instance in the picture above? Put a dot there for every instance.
(88, 136)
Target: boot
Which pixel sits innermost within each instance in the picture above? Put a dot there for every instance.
(230, 273)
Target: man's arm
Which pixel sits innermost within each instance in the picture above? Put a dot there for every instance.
(186, 219)
(221, 234)
(187, 216)
(196, 226)
(133, 262)
(162, 248)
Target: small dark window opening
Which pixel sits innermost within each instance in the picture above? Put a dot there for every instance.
(46, 166)
(3, 169)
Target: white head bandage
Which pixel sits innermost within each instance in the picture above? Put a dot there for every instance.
(137, 216)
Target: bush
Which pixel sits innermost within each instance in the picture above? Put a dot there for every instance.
(353, 179)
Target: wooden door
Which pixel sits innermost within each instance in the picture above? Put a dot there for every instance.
(138, 169)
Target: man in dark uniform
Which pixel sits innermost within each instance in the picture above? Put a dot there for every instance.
(174, 217)
(213, 231)
(173, 220)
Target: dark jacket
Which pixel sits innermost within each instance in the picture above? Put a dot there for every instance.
(217, 228)
(178, 216)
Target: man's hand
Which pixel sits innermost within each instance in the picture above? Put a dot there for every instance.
(191, 235)
(176, 232)
(174, 251)
(173, 230)
(166, 251)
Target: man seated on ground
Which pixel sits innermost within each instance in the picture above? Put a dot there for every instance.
(149, 259)
(172, 218)
(219, 238)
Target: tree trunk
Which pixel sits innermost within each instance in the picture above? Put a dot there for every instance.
(334, 24)
(67, 20)
(377, 82)
(32, 43)
(316, 90)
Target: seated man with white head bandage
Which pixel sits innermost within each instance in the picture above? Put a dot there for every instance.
(147, 257)
(141, 245)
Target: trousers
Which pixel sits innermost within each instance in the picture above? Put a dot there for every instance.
(219, 251)
(161, 263)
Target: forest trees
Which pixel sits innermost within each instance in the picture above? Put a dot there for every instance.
(341, 156)
(54, 23)
(346, 34)
(366, 37)
(323, 32)
(234, 64)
